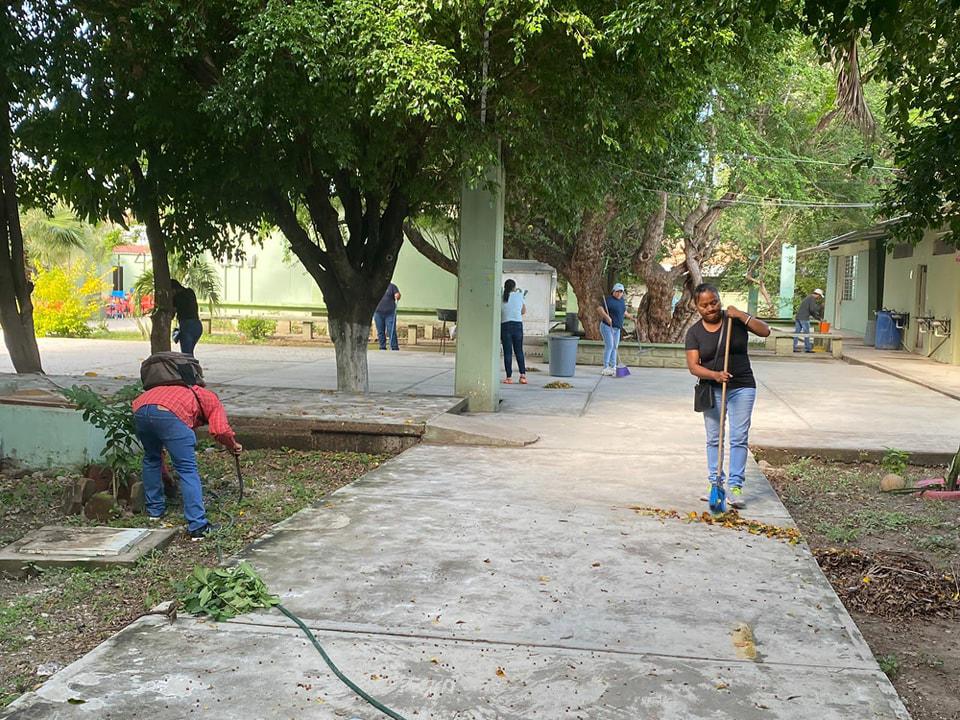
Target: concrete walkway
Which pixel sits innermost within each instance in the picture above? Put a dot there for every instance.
(457, 582)
(914, 368)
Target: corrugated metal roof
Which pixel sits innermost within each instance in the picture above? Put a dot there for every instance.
(874, 232)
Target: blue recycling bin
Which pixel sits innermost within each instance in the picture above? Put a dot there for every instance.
(888, 334)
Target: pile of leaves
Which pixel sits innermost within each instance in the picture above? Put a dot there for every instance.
(730, 519)
(890, 584)
(558, 385)
(224, 593)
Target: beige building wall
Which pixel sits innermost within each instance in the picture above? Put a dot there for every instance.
(926, 283)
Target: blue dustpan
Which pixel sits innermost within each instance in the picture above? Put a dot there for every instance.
(718, 498)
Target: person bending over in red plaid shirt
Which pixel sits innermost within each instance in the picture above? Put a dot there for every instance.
(165, 417)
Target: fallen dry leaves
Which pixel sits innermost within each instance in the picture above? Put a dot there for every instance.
(890, 584)
(730, 519)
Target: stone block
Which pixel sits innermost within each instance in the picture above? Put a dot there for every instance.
(137, 498)
(428, 332)
(674, 362)
(102, 477)
(75, 494)
(101, 507)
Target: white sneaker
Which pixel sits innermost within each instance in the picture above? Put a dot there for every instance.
(607, 371)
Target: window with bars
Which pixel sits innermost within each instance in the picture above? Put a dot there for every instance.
(849, 277)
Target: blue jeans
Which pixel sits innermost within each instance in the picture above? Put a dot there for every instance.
(190, 332)
(511, 337)
(802, 326)
(158, 429)
(739, 411)
(611, 341)
(386, 327)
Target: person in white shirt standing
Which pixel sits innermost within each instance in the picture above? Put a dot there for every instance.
(511, 331)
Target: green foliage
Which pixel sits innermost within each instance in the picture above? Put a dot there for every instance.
(65, 300)
(895, 461)
(256, 328)
(114, 416)
(193, 272)
(890, 665)
(914, 50)
(224, 593)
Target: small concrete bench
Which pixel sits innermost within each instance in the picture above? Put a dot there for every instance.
(783, 341)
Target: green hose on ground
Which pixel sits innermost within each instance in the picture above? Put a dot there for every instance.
(336, 671)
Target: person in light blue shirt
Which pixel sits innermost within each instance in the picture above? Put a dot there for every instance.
(511, 330)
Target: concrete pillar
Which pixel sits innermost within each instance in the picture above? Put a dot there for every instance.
(753, 300)
(477, 374)
(788, 273)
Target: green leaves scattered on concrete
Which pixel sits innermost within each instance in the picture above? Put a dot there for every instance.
(224, 593)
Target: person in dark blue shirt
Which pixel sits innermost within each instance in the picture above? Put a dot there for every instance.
(385, 318)
(613, 310)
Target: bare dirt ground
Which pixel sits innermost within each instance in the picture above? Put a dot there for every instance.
(894, 562)
(53, 617)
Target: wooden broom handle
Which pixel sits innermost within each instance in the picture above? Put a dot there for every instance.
(723, 395)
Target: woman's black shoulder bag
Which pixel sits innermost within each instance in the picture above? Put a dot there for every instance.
(703, 398)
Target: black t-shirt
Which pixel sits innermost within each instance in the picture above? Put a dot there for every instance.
(699, 338)
(185, 302)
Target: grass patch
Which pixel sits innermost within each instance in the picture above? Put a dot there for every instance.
(59, 614)
(890, 665)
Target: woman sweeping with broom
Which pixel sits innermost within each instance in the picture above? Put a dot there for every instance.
(717, 354)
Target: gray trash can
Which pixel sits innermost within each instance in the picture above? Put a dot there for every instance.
(563, 355)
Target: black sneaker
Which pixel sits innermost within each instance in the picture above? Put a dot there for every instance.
(201, 532)
(157, 518)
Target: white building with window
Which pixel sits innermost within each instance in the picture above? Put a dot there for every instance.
(868, 271)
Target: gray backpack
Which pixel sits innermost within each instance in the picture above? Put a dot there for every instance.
(171, 368)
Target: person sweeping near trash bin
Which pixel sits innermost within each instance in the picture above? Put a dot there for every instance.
(717, 354)
(166, 414)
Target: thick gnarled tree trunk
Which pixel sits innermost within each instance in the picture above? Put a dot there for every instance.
(659, 320)
(352, 270)
(16, 307)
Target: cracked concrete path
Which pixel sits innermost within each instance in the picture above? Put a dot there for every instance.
(479, 582)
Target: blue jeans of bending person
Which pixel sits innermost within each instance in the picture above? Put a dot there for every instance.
(804, 327)
(739, 411)
(611, 341)
(386, 328)
(190, 332)
(511, 338)
(158, 429)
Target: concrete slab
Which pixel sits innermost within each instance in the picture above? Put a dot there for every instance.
(94, 547)
(450, 429)
(166, 671)
(530, 560)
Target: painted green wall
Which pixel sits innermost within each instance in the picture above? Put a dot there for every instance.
(849, 315)
(270, 276)
(44, 437)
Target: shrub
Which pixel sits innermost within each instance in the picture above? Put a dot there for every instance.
(114, 415)
(895, 461)
(65, 300)
(256, 328)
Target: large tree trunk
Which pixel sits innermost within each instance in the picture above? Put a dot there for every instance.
(350, 338)
(584, 269)
(16, 307)
(352, 272)
(161, 318)
(580, 260)
(659, 319)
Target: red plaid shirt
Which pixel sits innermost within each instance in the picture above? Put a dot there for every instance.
(181, 402)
